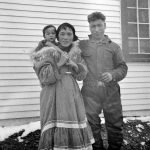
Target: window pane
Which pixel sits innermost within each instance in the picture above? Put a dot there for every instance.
(143, 16)
(144, 30)
(145, 46)
(133, 46)
(132, 30)
(131, 3)
(143, 3)
(132, 17)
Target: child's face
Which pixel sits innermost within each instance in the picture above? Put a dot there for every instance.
(50, 34)
(97, 28)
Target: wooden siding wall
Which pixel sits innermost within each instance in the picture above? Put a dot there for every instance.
(135, 89)
(21, 24)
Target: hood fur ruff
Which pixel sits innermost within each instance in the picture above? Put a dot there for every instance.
(44, 53)
(47, 52)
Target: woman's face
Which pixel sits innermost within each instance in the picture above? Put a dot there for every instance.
(65, 37)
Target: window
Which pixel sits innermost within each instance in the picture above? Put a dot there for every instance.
(136, 29)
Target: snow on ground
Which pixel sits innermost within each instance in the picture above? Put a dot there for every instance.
(5, 132)
(139, 127)
(143, 119)
(142, 143)
(125, 142)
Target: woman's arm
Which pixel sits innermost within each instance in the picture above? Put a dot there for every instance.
(45, 66)
(45, 72)
(82, 70)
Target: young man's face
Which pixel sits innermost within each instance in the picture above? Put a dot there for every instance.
(97, 28)
(50, 34)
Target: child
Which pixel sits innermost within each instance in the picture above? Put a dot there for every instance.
(49, 34)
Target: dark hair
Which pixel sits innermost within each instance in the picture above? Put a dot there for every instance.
(46, 27)
(65, 26)
(96, 16)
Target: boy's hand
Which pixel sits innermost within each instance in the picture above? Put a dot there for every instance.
(106, 77)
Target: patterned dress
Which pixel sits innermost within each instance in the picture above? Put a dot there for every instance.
(63, 120)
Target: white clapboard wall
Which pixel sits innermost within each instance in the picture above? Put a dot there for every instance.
(21, 23)
(135, 89)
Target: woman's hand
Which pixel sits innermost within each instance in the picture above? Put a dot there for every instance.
(63, 59)
(73, 65)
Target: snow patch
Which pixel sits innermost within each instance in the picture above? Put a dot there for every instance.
(139, 129)
(31, 127)
(143, 119)
(142, 143)
(19, 139)
(125, 142)
(5, 132)
(140, 126)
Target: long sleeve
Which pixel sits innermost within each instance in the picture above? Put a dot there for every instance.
(45, 72)
(121, 68)
(40, 45)
(82, 69)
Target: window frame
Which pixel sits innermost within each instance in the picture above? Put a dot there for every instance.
(125, 48)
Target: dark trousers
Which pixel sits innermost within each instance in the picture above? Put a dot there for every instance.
(107, 99)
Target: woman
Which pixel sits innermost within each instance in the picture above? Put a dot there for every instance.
(63, 120)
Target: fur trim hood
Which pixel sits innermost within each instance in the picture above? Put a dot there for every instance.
(47, 53)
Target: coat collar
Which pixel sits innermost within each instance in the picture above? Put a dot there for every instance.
(65, 49)
(105, 40)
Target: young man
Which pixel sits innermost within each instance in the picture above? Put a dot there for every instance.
(100, 89)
